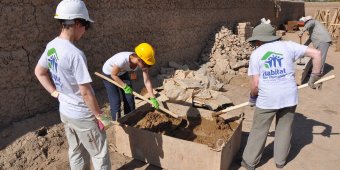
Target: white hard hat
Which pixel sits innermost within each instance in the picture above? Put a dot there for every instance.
(305, 19)
(308, 18)
(72, 9)
(264, 21)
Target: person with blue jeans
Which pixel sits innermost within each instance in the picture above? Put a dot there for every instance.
(117, 67)
(114, 94)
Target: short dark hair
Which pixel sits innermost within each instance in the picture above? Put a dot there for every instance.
(67, 23)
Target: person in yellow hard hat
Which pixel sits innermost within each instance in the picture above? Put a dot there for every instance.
(117, 67)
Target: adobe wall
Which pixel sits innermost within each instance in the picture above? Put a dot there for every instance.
(178, 30)
(312, 7)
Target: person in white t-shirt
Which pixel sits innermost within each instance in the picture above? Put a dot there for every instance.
(66, 65)
(117, 67)
(274, 92)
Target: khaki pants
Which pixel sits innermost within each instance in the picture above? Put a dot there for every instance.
(259, 131)
(86, 140)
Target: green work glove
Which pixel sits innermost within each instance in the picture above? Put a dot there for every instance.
(154, 102)
(127, 89)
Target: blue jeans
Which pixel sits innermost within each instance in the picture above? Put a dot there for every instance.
(114, 94)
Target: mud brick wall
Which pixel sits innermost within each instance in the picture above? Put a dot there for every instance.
(312, 7)
(177, 28)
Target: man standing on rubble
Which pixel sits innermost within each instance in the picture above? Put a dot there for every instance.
(66, 65)
(117, 67)
(318, 35)
(274, 92)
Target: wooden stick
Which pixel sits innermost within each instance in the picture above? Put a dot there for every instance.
(247, 103)
(136, 94)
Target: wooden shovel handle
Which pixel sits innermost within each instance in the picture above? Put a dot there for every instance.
(136, 94)
(247, 103)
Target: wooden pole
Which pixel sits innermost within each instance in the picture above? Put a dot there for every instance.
(247, 103)
(136, 94)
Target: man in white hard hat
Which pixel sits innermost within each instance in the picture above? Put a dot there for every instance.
(318, 35)
(66, 65)
(274, 92)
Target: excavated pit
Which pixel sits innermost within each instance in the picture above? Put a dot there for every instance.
(199, 130)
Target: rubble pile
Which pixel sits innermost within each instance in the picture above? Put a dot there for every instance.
(182, 84)
(226, 55)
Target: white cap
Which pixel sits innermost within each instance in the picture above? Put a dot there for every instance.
(72, 9)
(305, 19)
(264, 21)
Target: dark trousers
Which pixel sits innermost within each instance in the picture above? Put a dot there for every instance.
(115, 94)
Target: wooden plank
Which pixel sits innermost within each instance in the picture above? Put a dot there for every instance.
(337, 48)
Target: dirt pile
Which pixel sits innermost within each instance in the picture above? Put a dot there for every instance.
(35, 150)
(200, 130)
(226, 55)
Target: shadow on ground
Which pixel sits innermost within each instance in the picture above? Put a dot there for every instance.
(301, 137)
(8, 135)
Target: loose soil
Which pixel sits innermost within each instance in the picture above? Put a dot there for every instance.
(199, 130)
(35, 150)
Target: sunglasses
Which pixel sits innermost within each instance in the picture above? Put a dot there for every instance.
(84, 23)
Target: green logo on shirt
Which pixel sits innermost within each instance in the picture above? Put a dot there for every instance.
(52, 63)
(52, 59)
(273, 65)
(272, 59)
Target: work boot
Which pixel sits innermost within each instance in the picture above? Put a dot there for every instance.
(245, 165)
(280, 166)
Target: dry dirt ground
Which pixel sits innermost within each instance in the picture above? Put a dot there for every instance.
(39, 142)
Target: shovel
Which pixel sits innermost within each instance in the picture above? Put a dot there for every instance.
(247, 103)
(183, 122)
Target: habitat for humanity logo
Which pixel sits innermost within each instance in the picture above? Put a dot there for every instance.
(52, 61)
(273, 65)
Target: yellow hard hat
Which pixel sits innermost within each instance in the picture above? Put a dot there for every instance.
(146, 53)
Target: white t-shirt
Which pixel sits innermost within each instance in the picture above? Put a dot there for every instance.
(121, 60)
(274, 63)
(68, 67)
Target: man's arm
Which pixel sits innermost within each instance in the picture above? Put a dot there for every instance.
(307, 26)
(114, 75)
(316, 59)
(89, 98)
(44, 78)
(147, 82)
(254, 85)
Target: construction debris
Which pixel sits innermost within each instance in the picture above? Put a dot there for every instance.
(226, 55)
(187, 85)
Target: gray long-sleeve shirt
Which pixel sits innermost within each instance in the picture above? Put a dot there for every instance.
(317, 33)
